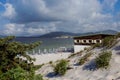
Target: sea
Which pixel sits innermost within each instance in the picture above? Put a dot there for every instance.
(49, 45)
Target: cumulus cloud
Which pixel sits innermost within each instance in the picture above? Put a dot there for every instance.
(9, 11)
(28, 29)
(35, 17)
(12, 29)
(45, 10)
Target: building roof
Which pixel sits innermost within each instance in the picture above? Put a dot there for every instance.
(93, 36)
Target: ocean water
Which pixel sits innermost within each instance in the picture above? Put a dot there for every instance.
(48, 44)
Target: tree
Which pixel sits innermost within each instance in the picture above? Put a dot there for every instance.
(12, 54)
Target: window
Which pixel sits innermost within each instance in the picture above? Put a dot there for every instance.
(90, 41)
(98, 41)
(77, 41)
(84, 41)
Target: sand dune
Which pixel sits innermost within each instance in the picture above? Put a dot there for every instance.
(84, 72)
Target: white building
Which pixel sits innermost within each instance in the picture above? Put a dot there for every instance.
(82, 42)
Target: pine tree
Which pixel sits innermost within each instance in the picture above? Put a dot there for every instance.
(12, 53)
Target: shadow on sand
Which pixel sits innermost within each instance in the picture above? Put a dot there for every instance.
(90, 66)
(117, 48)
(51, 75)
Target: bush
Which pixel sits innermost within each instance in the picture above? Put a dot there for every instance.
(74, 54)
(61, 67)
(38, 77)
(118, 35)
(19, 74)
(84, 58)
(102, 61)
(97, 45)
(15, 74)
(108, 42)
(36, 67)
(50, 62)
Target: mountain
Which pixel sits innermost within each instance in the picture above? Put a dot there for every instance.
(69, 34)
(1, 36)
(108, 32)
(57, 34)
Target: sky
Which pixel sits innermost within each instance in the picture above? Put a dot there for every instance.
(37, 17)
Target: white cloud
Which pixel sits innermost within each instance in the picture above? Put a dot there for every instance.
(31, 29)
(35, 17)
(13, 29)
(45, 10)
(39, 29)
(9, 11)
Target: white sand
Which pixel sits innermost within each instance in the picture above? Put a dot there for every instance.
(77, 73)
(45, 58)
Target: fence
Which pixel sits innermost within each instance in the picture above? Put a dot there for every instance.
(50, 51)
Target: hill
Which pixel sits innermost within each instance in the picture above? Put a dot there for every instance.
(1, 36)
(66, 34)
(69, 34)
(57, 34)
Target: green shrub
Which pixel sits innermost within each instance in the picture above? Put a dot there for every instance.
(19, 74)
(102, 61)
(36, 67)
(38, 77)
(15, 74)
(61, 67)
(97, 45)
(108, 42)
(84, 58)
(50, 62)
(72, 55)
(82, 61)
(118, 35)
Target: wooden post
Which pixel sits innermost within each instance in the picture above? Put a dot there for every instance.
(33, 52)
(39, 51)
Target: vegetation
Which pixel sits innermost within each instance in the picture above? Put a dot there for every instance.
(84, 58)
(97, 45)
(12, 64)
(38, 77)
(15, 74)
(61, 67)
(36, 67)
(108, 42)
(118, 35)
(50, 62)
(74, 54)
(102, 61)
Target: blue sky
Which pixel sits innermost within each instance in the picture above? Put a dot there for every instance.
(37, 17)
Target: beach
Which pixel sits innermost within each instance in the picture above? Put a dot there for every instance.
(45, 58)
